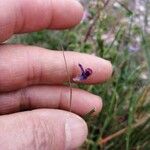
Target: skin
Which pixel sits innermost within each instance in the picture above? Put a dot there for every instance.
(34, 103)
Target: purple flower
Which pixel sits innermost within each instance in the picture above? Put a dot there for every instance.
(135, 44)
(84, 74)
(86, 16)
(134, 47)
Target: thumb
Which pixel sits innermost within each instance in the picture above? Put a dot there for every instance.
(42, 129)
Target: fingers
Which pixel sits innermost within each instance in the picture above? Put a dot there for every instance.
(19, 16)
(49, 97)
(42, 129)
(21, 66)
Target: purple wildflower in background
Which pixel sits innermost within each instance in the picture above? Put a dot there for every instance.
(86, 16)
(84, 74)
(134, 47)
(135, 44)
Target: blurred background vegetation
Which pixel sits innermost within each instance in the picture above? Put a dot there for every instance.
(119, 31)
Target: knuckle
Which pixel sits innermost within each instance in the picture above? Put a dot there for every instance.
(42, 138)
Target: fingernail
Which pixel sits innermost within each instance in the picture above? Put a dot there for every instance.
(75, 132)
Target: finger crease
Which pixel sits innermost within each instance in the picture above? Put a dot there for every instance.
(25, 101)
(20, 27)
(52, 14)
(60, 98)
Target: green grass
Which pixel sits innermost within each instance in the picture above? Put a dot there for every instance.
(124, 122)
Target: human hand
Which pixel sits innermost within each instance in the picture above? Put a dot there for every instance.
(33, 77)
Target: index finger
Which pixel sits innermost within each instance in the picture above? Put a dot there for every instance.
(20, 16)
